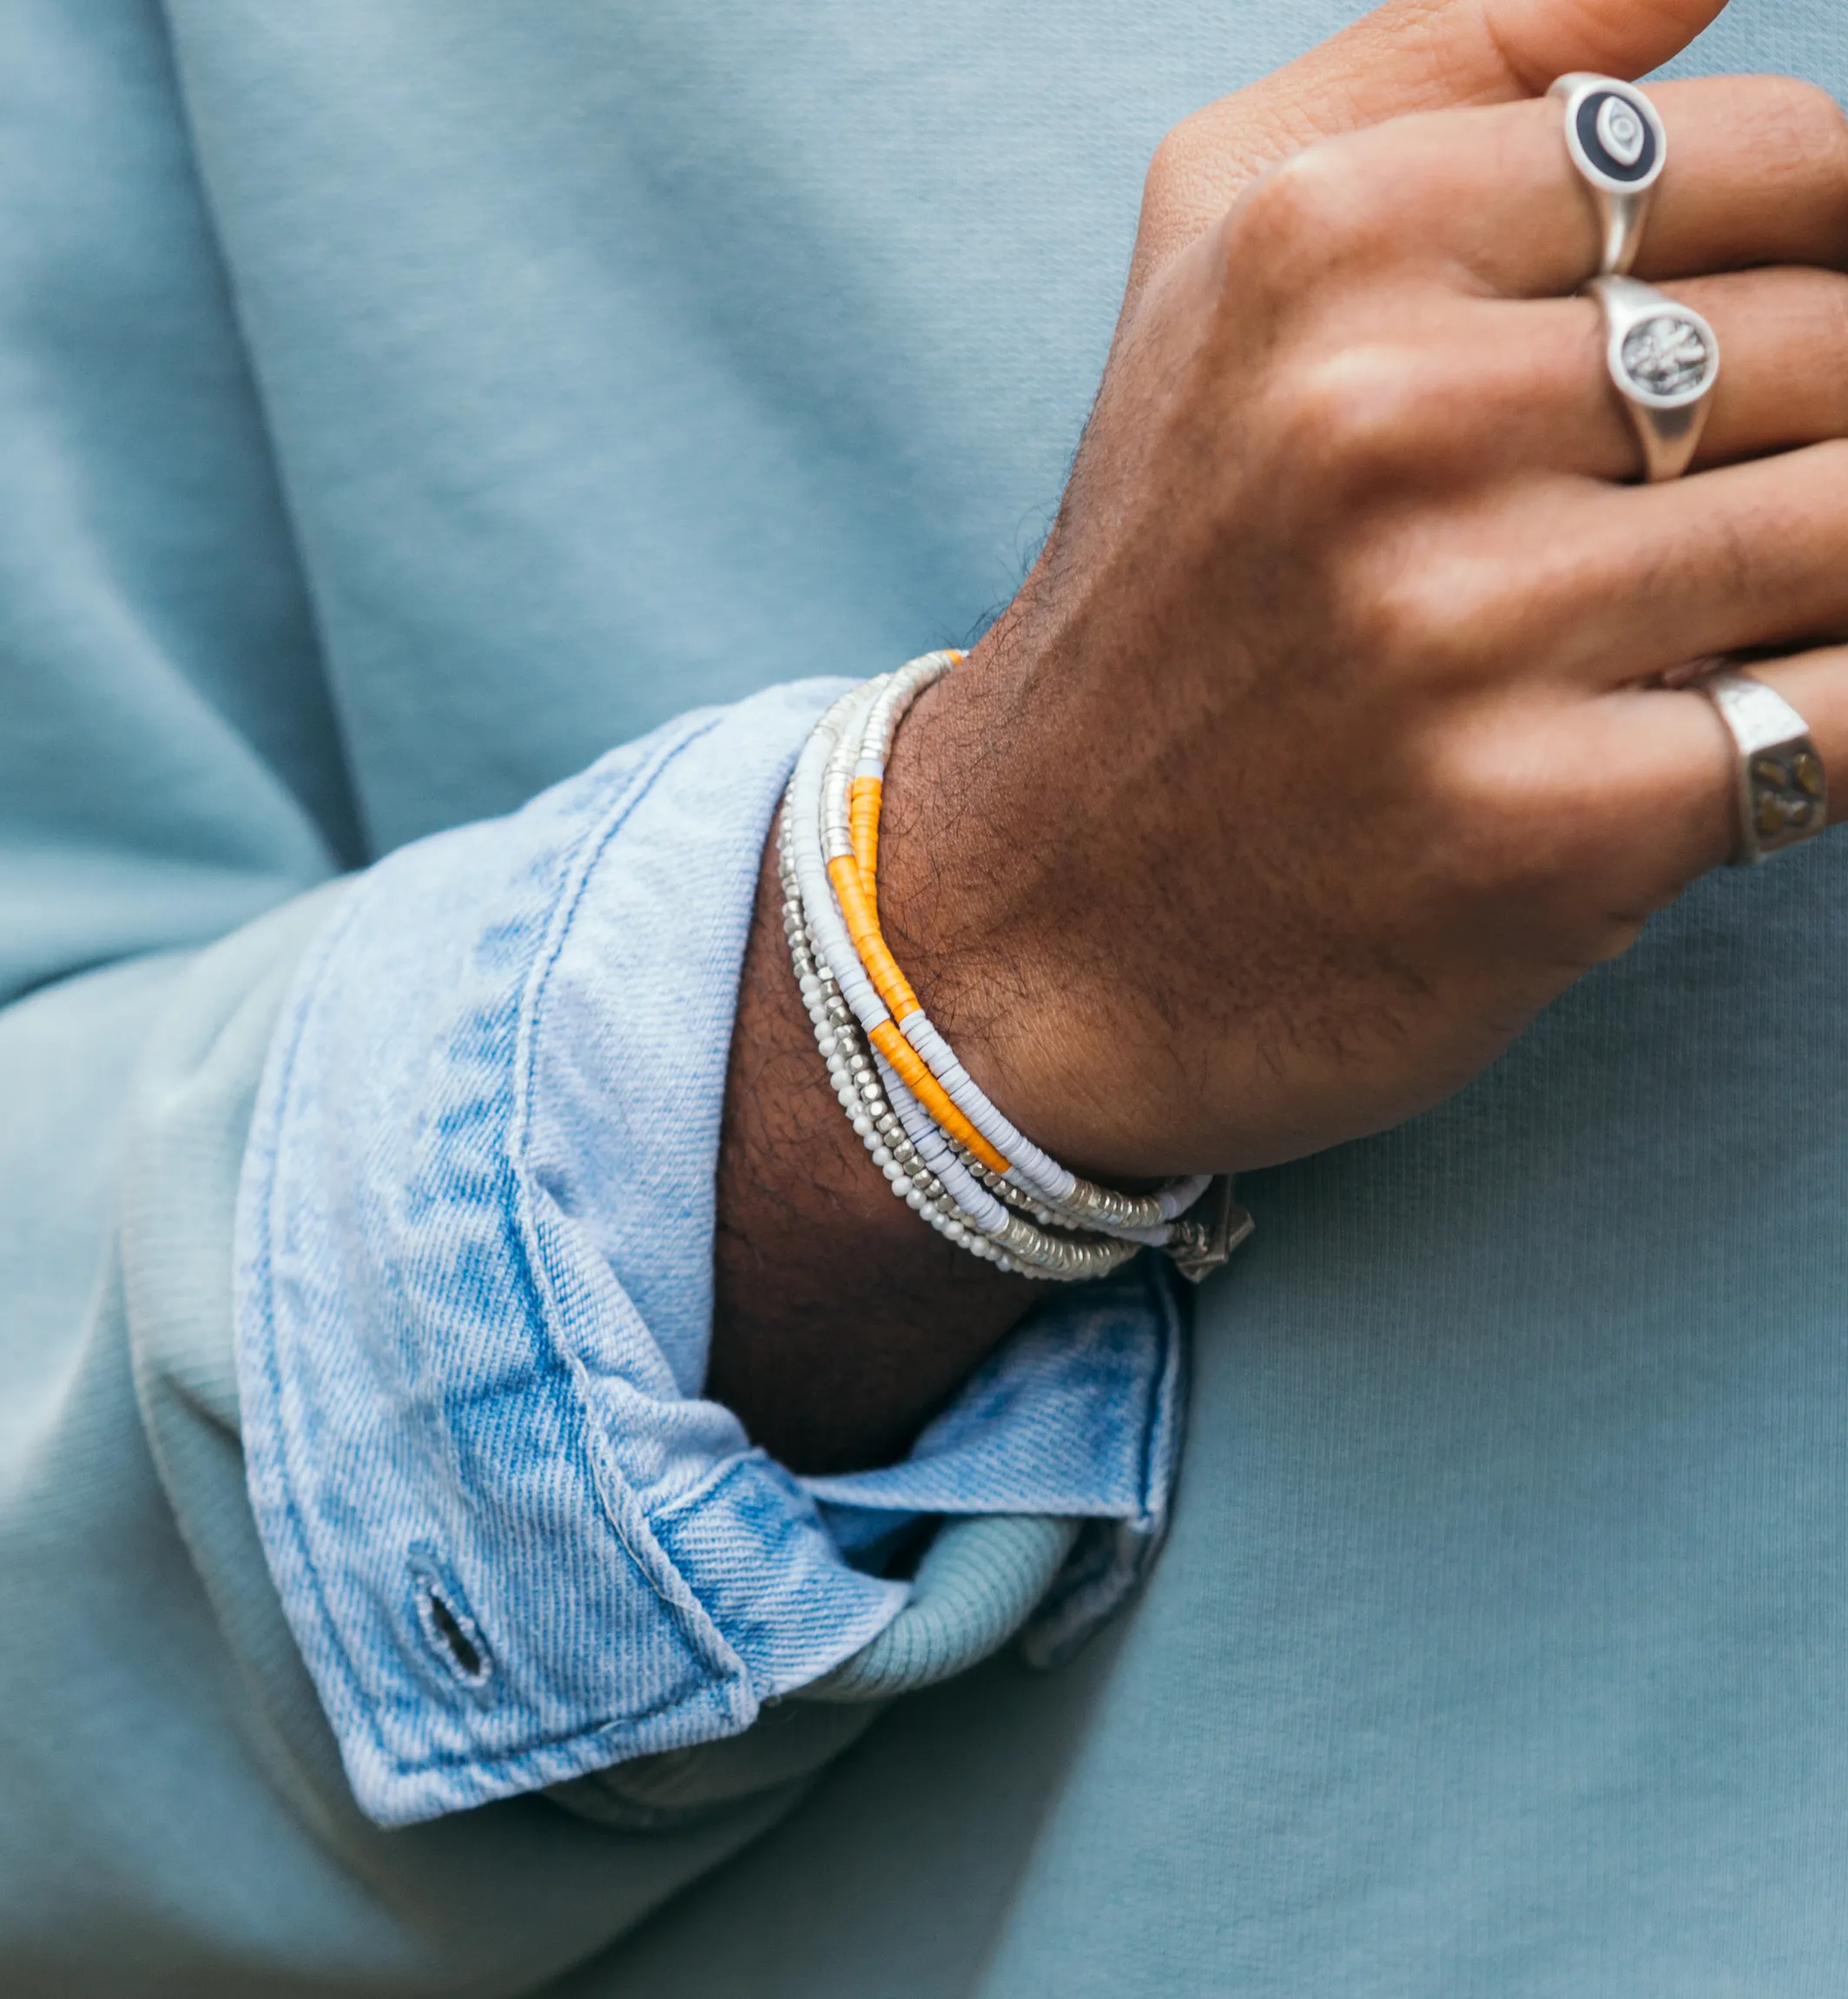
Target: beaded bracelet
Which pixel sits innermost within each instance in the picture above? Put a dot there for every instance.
(941, 1144)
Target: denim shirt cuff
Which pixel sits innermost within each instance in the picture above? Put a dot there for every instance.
(514, 1541)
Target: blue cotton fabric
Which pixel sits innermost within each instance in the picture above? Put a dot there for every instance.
(405, 401)
(475, 1287)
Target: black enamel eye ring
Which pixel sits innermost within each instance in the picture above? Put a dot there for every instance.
(1615, 141)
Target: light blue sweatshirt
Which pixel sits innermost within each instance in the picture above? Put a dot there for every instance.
(405, 405)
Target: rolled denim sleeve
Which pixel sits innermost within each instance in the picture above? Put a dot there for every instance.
(515, 1543)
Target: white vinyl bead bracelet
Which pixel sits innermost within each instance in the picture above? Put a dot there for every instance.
(941, 1143)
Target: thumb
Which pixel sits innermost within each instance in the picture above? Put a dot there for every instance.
(1409, 56)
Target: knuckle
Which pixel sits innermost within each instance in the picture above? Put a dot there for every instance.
(1494, 797)
(1172, 163)
(1307, 215)
(1423, 614)
(1353, 419)
(1193, 170)
(1188, 148)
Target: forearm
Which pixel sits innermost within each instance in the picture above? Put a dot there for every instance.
(840, 1321)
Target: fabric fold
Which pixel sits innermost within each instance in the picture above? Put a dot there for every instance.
(515, 1542)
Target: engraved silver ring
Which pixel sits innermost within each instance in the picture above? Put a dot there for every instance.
(1615, 141)
(1782, 787)
(1664, 361)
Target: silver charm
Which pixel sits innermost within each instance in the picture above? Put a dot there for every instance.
(1615, 141)
(1664, 361)
(1782, 787)
(1210, 1231)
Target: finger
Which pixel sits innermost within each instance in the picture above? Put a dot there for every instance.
(1653, 772)
(1410, 56)
(1675, 766)
(1757, 173)
(1585, 815)
(1524, 388)
(1609, 808)
(1783, 380)
(1744, 557)
(1610, 586)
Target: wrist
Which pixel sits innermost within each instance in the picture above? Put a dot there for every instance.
(841, 1322)
(979, 890)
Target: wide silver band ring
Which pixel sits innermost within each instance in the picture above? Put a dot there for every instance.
(1782, 787)
(1615, 141)
(1663, 360)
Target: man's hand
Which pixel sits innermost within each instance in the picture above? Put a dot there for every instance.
(1319, 749)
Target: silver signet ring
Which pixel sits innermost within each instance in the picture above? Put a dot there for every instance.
(1664, 361)
(1782, 787)
(1616, 141)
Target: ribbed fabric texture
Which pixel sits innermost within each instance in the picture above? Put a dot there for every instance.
(979, 1582)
